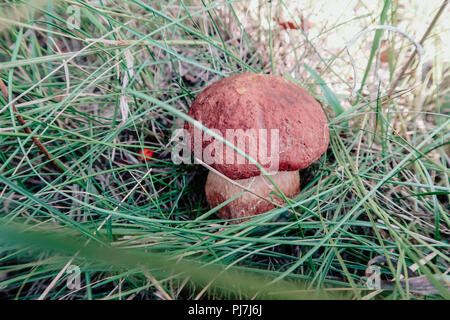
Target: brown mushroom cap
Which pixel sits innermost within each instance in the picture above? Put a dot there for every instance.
(254, 101)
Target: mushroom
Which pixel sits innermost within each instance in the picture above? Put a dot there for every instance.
(249, 108)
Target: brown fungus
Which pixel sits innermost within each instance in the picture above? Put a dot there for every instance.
(242, 105)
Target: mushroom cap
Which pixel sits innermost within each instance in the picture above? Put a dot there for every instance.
(259, 101)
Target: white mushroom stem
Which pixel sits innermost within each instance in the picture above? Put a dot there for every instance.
(219, 189)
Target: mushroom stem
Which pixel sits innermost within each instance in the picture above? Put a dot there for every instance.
(219, 189)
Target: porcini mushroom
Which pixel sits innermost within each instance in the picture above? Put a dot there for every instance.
(248, 104)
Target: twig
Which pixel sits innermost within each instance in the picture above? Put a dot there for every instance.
(405, 67)
(27, 130)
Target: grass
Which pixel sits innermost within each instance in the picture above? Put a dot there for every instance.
(96, 94)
